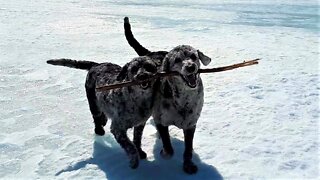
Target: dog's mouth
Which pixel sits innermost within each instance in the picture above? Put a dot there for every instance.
(145, 78)
(191, 80)
(145, 85)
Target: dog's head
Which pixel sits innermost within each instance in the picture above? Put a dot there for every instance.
(140, 68)
(186, 60)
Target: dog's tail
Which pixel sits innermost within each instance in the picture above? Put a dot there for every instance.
(86, 65)
(141, 51)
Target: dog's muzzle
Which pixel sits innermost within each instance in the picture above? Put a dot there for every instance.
(191, 80)
(190, 76)
(143, 77)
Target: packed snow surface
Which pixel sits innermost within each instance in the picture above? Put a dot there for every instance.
(258, 122)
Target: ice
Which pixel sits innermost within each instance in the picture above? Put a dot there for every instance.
(258, 122)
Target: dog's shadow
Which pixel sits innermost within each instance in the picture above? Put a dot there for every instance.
(112, 160)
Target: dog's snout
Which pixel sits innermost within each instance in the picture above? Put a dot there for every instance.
(191, 68)
(142, 76)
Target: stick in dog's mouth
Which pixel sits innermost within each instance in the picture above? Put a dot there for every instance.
(165, 74)
(191, 80)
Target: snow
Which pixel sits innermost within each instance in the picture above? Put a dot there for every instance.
(259, 122)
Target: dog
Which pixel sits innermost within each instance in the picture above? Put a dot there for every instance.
(127, 107)
(179, 99)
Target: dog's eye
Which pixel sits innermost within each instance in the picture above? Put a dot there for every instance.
(134, 70)
(178, 60)
(193, 57)
(150, 68)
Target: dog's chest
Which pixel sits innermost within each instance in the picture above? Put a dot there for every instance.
(183, 111)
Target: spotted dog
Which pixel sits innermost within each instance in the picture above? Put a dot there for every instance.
(179, 99)
(127, 107)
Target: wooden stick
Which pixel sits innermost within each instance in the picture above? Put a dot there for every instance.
(234, 66)
(131, 83)
(165, 74)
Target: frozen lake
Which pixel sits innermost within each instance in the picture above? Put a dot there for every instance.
(257, 122)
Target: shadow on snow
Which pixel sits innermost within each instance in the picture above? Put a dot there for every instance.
(112, 160)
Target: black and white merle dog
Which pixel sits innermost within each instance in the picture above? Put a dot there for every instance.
(179, 99)
(127, 107)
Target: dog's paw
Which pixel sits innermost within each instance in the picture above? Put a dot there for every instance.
(142, 154)
(190, 167)
(99, 131)
(166, 154)
(134, 161)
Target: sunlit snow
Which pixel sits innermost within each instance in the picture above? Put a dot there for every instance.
(258, 122)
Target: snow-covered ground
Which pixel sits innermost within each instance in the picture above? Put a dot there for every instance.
(259, 122)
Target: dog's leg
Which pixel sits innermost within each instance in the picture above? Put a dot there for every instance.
(167, 151)
(188, 166)
(137, 136)
(124, 141)
(99, 118)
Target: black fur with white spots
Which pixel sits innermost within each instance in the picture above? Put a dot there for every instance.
(179, 99)
(127, 107)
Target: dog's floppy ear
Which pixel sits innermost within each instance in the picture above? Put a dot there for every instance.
(123, 73)
(204, 59)
(166, 64)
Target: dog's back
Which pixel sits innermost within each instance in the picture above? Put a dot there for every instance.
(102, 74)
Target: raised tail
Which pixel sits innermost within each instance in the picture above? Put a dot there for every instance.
(86, 65)
(141, 51)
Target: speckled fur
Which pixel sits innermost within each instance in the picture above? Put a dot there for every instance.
(177, 102)
(127, 107)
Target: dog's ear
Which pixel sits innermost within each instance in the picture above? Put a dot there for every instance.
(123, 73)
(166, 64)
(204, 59)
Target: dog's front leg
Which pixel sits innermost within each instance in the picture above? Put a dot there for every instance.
(137, 136)
(188, 166)
(124, 141)
(167, 151)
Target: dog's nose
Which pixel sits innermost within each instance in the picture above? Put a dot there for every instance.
(143, 76)
(191, 68)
